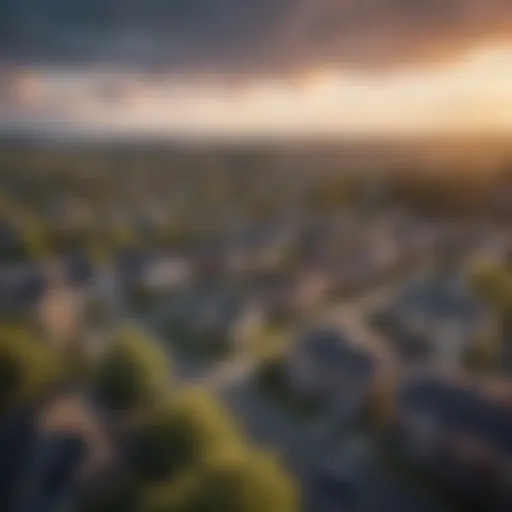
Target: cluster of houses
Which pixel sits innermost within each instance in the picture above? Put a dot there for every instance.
(324, 365)
(286, 269)
(211, 320)
(460, 435)
(454, 431)
(435, 319)
(256, 272)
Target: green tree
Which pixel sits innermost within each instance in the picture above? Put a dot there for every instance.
(180, 433)
(34, 238)
(493, 283)
(230, 482)
(484, 353)
(486, 280)
(132, 373)
(122, 496)
(28, 368)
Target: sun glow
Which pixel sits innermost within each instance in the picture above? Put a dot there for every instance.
(473, 94)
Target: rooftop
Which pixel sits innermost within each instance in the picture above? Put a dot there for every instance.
(461, 408)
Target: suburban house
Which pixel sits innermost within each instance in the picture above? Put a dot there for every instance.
(167, 274)
(275, 291)
(260, 249)
(342, 481)
(494, 245)
(324, 365)
(312, 285)
(439, 316)
(19, 290)
(54, 453)
(212, 319)
(79, 269)
(460, 433)
(58, 313)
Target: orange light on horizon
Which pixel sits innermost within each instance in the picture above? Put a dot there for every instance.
(470, 95)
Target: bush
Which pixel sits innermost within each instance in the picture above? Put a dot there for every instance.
(232, 482)
(483, 354)
(180, 433)
(132, 373)
(28, 368)
(272, 376)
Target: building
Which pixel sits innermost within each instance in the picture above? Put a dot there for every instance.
(58, 314)
(323, 364)
(460, 434)
(52, 452)
(20, 289)
(439, 317)
(212, 319)
(167, 274)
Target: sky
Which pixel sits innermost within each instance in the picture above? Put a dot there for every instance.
(245, 68)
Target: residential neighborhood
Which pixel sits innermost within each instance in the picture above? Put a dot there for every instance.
(355, 339)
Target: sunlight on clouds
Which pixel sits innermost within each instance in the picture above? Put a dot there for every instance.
(473, 94)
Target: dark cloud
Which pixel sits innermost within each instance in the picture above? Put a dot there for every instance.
(247, 35)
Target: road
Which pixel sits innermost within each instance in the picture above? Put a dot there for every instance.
(301, 442)
(351, 316)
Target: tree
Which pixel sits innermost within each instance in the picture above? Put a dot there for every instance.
(493, 283)
(231, 482)
(486, 280)
(132, 372)
(180, 433)
(122, 494)
(484, 353)
(272, 375)
(28, 368)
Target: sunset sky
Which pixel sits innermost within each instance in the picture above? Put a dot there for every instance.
(243, 68)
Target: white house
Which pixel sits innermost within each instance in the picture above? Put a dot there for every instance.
(167, 274)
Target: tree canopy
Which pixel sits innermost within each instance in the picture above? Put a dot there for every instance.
(493, 283)
(229, 482)
(179, 434)
(132, 372)
(27, 367)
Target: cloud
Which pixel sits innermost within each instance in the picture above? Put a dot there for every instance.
(247, 36)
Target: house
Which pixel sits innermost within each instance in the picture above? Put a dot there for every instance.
(440, 316)
(275, 291)
(493, 245)
(58, 313)
(460, 434)
(259, 249)
(17, 440)
(336, 481)
(51, 453)
(324, 365)
(132, 263)
(79, 270)
(350, 479)
(212, 319)
(311, 287)
(167, 274)
(20, 289)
